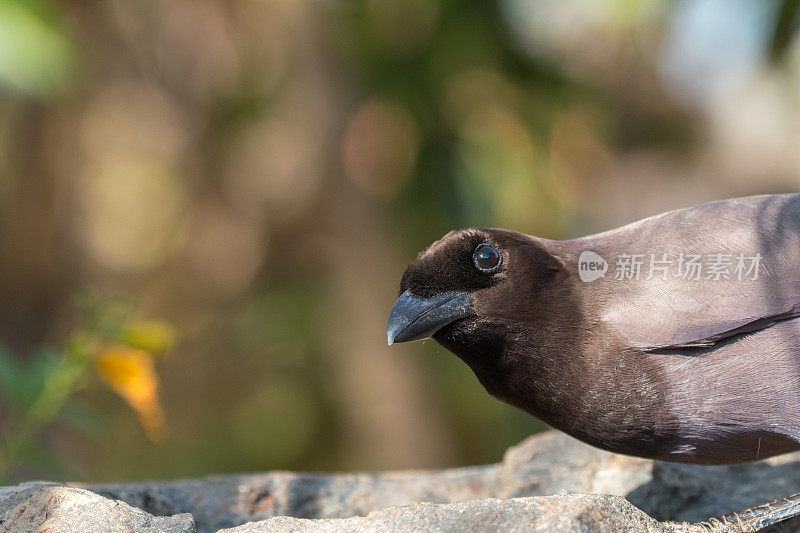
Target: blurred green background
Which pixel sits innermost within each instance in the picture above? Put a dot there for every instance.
(258, 173)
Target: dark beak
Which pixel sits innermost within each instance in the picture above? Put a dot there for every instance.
(414, 318)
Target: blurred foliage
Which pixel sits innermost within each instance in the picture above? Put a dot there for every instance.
(40, 393)
(259, 173)
(37, 56)
(785, 26)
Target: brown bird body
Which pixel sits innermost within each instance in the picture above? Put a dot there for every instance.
(699, 368)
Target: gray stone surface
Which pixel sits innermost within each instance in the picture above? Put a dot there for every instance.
(576, 512)
(39, 507)
(544, 465)
(550, 463)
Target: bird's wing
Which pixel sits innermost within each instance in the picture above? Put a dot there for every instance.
(748, 250)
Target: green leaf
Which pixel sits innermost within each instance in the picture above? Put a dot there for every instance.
(21, 383)
(82, 418)
(35, 57)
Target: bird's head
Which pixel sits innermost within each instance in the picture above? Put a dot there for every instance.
(473, 289)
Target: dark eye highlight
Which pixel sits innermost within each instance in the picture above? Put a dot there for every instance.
(486, 257)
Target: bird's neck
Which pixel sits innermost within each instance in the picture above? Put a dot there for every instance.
(600, 394)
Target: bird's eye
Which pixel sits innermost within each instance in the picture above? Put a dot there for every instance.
(486, 257)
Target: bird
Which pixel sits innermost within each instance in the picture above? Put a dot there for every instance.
(676, 337)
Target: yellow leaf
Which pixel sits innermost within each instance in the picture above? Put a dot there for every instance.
(130, 372)
(154, 337)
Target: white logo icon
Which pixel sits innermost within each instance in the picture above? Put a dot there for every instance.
(591, 266)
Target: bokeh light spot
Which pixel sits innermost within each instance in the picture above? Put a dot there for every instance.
(380, 147)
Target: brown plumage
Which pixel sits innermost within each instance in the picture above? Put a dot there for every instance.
(699, 370)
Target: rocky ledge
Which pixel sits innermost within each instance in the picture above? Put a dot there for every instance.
(550, 482)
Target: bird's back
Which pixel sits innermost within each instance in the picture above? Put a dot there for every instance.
(695, 274)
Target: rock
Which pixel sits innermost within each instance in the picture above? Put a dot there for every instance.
(576, 512)
(549, 465)
(41, 506)
(546, 464)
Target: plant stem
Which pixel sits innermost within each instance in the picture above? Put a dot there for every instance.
(59, 384)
